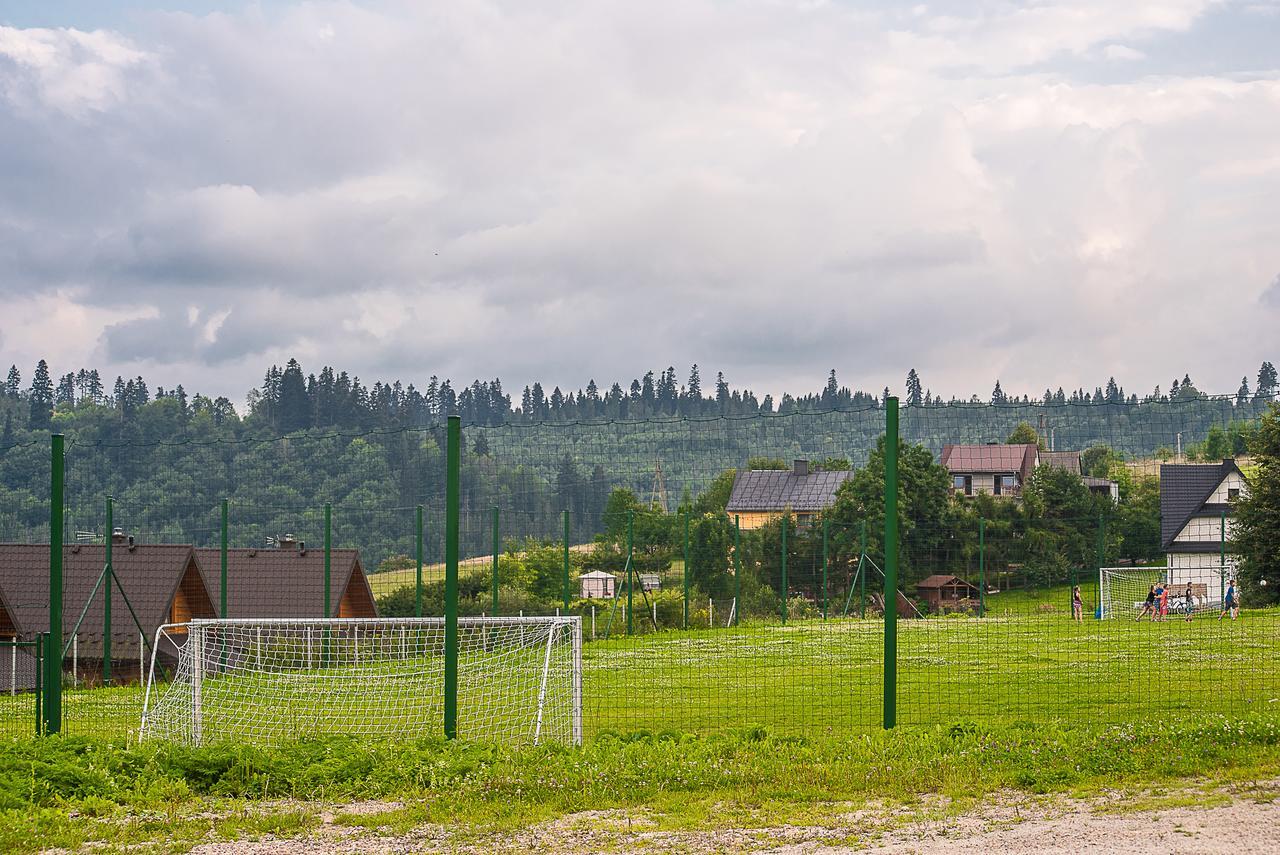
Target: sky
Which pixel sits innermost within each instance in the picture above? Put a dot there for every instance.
(1044, 193)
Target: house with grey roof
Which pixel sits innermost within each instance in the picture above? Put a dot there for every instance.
(1070, 461)
(1196, 509)
(761, 495)
(994, 468)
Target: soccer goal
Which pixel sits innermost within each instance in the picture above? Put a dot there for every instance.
(1124, 590)
(270, 681)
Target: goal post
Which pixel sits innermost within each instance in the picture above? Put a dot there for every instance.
(267, 681)
(1124, 590)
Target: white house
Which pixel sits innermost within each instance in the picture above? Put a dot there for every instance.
(1196, 507)
(597, 585)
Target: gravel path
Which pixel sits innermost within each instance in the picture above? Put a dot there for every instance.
(1238, 821)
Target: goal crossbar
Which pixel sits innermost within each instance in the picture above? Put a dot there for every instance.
(272, 680)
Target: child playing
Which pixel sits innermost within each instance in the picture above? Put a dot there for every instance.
(1231, 605)
(1188, 601)
(1148, 608)
(1077, 604)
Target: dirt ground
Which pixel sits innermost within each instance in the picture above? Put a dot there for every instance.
(1235, 820)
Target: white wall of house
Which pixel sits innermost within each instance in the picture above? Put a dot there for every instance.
(1201, 569)
(1204, 528)
(1233, 481)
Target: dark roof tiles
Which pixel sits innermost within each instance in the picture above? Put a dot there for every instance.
(778, 489)
(1184, 489)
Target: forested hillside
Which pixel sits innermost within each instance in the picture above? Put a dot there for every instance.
(169, 457)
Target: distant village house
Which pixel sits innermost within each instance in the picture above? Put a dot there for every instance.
(762, 495)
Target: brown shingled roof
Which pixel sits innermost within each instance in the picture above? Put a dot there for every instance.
(153, 578)
(289, 583)
(994, 458)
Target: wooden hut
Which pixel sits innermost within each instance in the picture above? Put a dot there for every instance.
(943, 592)
(288, 582)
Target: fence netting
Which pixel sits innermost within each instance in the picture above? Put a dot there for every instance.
(728, 572)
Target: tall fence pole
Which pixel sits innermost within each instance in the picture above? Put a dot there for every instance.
(862, 563)
(685, 625)
(1222, 558)
(784, 568)
(417, 578)
(108, 573)
(1102, 560)
(328, 556)
(737, 570)
(496, 550)
(826, 535)
(222, 560)
(982, 567)
(891, 563)
(453, 485)
(52, 705)
(631, 571)
(566, 561)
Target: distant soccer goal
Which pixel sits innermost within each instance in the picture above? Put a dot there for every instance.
(270, 681)
(1124, 590)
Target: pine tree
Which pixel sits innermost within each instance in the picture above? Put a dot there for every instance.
(914, 398)
(831, 393)
(294, 408)
(13, 385)
(723, 395)
(40, 398)
(1268, 382)
(66, 394)
(693, 395)
(1242, 395)
(1113, 395)
(997, 394)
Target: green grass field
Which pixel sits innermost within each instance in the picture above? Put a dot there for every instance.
(1020, 662)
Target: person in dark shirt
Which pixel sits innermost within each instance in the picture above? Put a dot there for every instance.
(1149, 607)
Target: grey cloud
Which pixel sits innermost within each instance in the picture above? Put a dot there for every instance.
(599, 189)
(1271, 296)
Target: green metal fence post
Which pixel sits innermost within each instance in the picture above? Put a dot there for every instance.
(108, 573)
(53, 657)
(1101, 559)
(1222, 558)
(417, 578)
(222, 556)
(453, 492)
(328, 555)
(982, 567)
(496, 550)
(862, 576)
(737, 570)
(784, 568)
(566, 561)
(630, 570)
(826, 532)
(891, 563)
(685, 625)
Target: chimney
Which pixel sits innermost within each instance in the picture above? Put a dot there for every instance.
(302, 547)
(801, 468)
(117, 535)
(132, 545)
(286, 541)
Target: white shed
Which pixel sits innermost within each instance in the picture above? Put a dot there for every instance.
(597, 585)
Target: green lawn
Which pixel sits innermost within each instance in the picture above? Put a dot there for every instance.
(1018, 663)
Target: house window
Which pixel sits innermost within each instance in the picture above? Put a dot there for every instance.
(997, 484)
(964, 484)
(1233, 493)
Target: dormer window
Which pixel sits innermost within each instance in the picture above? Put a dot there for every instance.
(1233, 493)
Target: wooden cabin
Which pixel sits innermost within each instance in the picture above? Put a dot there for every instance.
(943, 592)
(288, 582)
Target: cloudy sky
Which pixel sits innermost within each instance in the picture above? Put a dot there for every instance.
(1044, 192)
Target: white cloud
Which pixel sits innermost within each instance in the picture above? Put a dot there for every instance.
(577, 190)
(1122, 53)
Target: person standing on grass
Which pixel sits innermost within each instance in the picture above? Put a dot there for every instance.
(1155, 604)
(1148, 608)
(1077, 604)
(1188, 601)
(1231, 605)
(1164, 601)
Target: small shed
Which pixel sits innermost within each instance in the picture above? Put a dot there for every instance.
(942, 591)
(597, 585)
(650, 581)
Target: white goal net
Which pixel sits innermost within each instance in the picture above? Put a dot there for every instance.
(269, 681)
(1124, 591)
